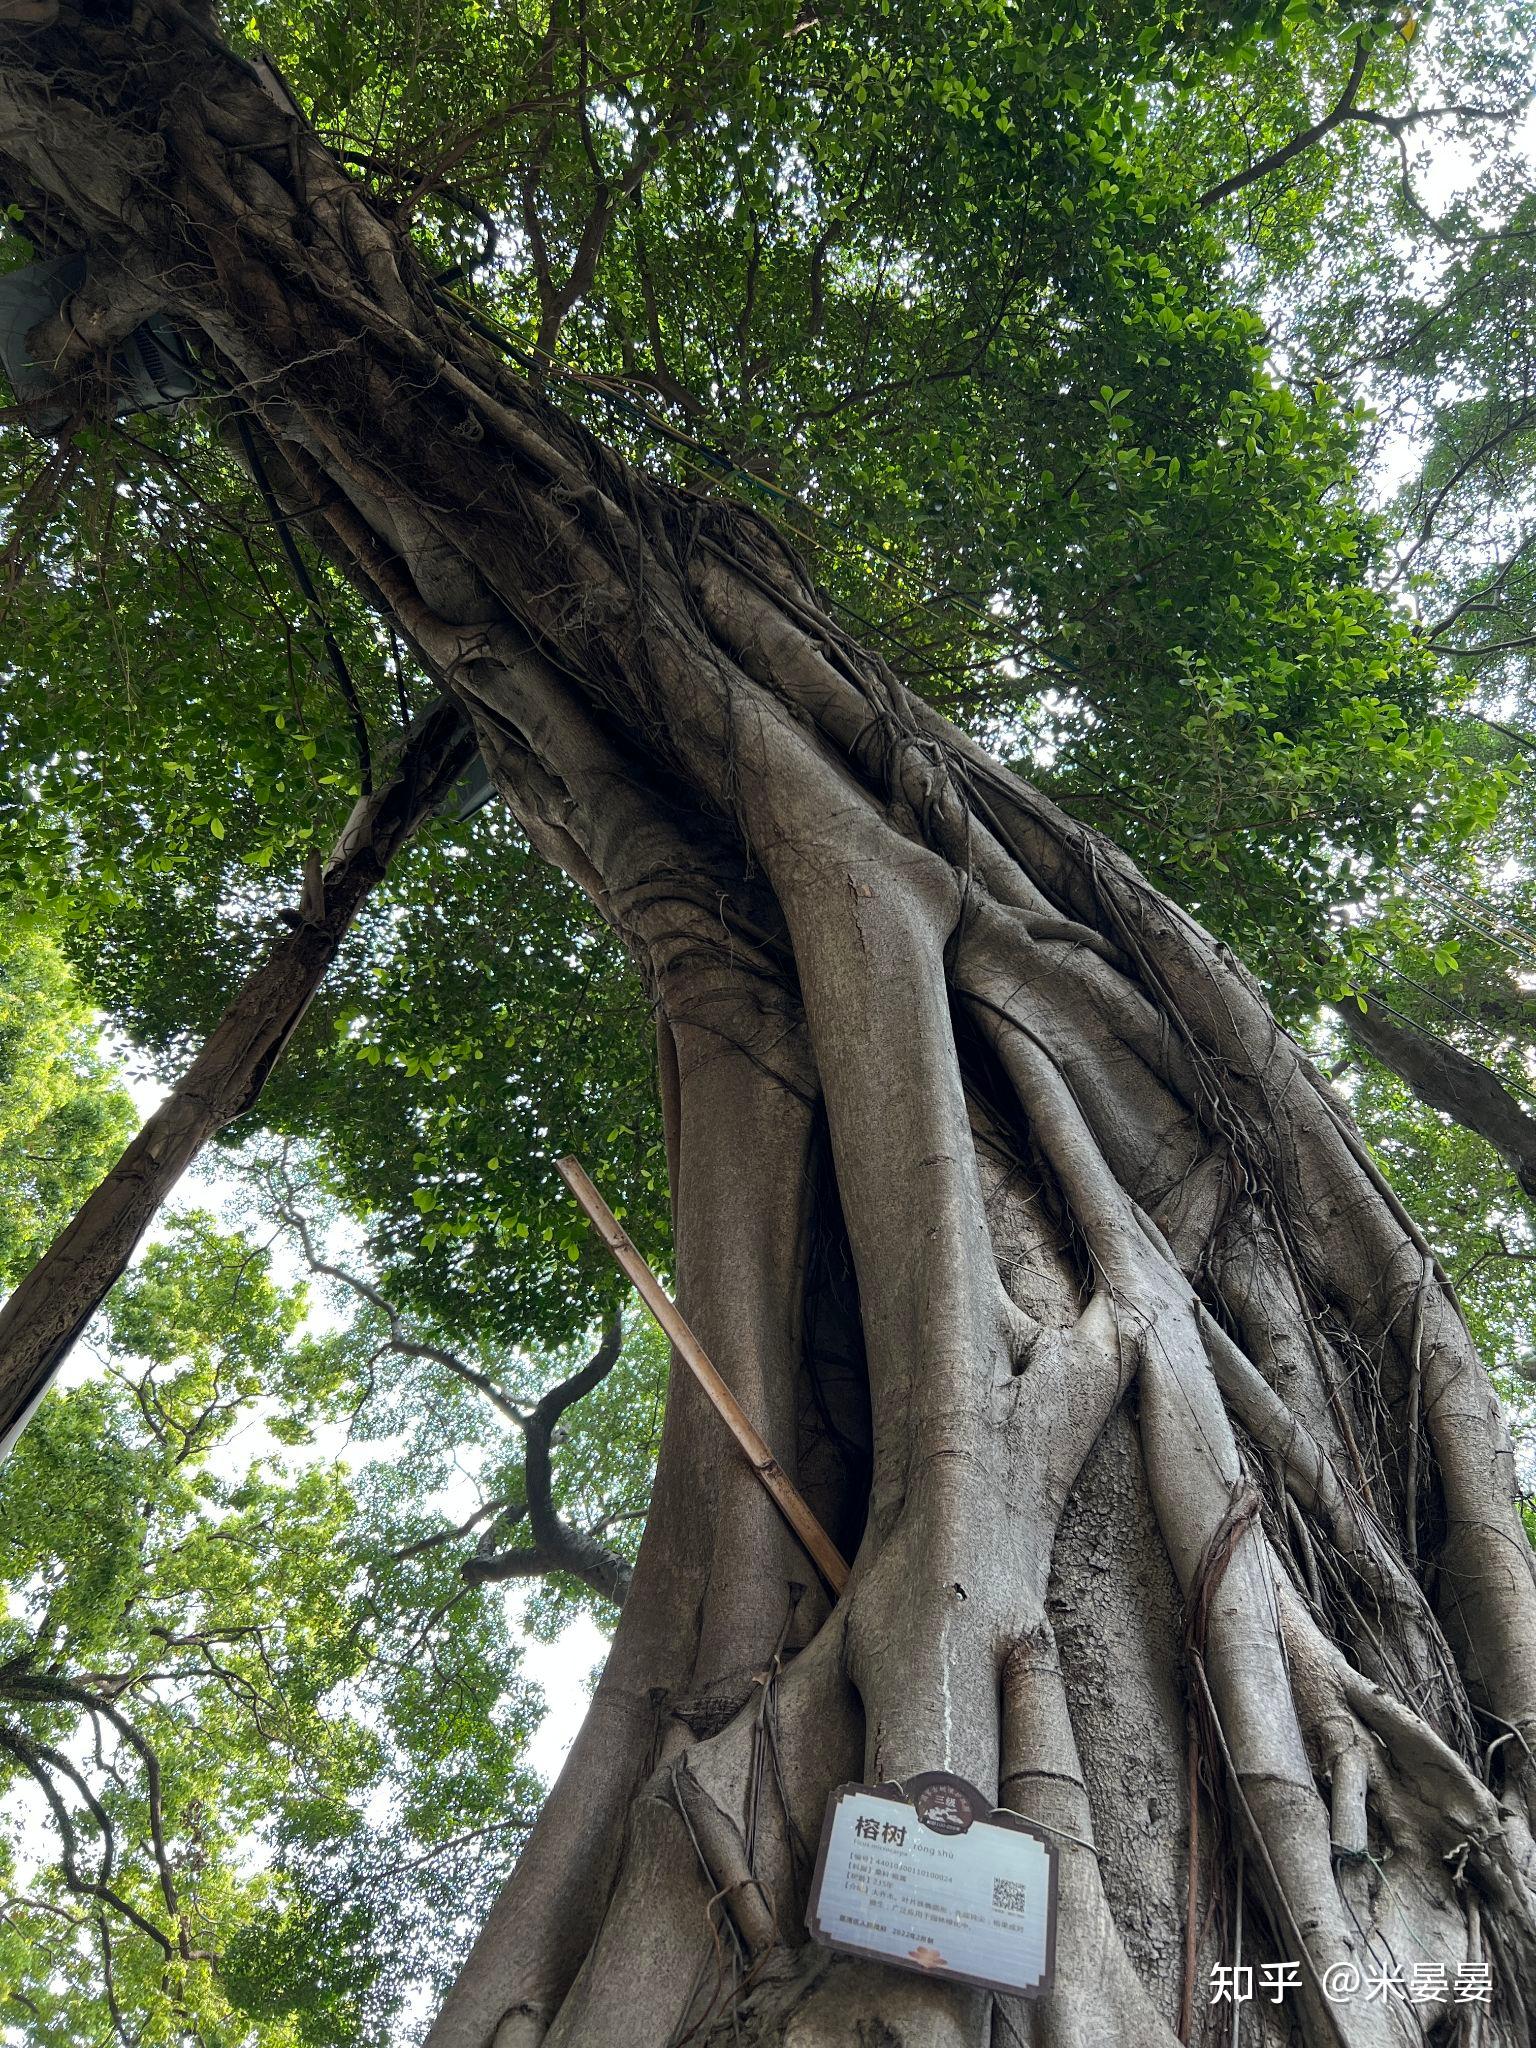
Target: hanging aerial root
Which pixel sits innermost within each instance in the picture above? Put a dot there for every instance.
(1407, 1639)
(716, 1864)
(1430, 1859)
(1431, 1797)
(1269, 1105)
(1199, 1492)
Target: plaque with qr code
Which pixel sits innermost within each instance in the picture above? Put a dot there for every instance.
(930, 1876)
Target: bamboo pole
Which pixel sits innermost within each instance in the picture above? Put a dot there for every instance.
(813, 1538)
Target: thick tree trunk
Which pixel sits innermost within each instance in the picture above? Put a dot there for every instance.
(1040, 1255)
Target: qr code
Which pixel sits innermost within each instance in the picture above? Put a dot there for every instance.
(1013, 1898)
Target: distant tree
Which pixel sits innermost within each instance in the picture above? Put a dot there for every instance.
(63, 1110)
(270, 1731)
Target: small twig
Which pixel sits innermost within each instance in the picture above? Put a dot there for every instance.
(1415, 1391)
(1192, 1878)
(399, 1341)
(457, 1535)
(311, 596)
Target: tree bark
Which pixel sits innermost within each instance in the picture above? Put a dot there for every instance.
(1448, 1080)
(52, 1304)
(1043, 1259)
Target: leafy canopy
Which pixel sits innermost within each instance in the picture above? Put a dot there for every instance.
(933, 287)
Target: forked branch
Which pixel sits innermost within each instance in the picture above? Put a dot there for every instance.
(558, 1545)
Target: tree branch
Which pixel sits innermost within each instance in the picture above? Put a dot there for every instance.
(1267, 165)
(22, 1684)
(289, 1213)
(38, 1760)
(442, 1536)
(1489, 648)
(1448, 1080)
(57, 1298)
(557, 1546)
(1398, 124)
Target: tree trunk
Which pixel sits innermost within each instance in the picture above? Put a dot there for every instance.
(1040, 1255)
(52, 1304)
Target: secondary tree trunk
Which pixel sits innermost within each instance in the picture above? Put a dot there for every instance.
(1039, 1253)
(52, 1304)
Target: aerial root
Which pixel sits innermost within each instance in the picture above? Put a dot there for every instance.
(1426, 1795)
(1190, 1370)
(717, 1862)
(720, 1845)
(1241, 1682)
(1406, 1634)
(1097, 1988)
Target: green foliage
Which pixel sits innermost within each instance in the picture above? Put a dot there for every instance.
(935, 288)
(480, 1014)
(335, 1718)
(1482, 1229)
(928, 285)
(1395, 263)
(63, 1115)
(170, 731)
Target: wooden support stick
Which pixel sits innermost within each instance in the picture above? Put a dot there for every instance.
(813, 1538)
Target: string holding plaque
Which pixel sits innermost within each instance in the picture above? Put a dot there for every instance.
(930, 1876)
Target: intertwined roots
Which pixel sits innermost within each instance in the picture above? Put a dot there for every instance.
(1184, 1512)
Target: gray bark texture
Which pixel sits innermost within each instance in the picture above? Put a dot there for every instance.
(1450, 1081)
(1182, 1511)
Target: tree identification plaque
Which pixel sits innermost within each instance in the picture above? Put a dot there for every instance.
(930, 1876)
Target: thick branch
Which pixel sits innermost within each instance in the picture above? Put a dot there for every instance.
(23, 1685)
(1344, 109)
(1448, 1080)
(39, 1760)
(1266, 165)
(57, 1298)
(557, 1546)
